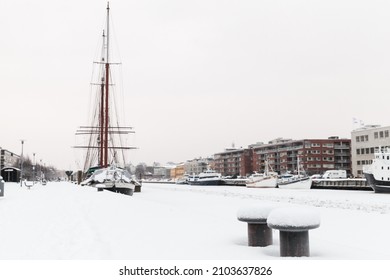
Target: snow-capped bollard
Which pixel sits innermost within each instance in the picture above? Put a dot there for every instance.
(1, 186)
(294, 225)
(259, 234)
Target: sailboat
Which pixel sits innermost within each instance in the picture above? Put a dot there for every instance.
(299, 181)
(268, 179)
(104, 135)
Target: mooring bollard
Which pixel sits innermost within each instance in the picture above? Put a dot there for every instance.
(137, 188)
(259, 234)
(138, 184)
(294, 225)
(1, 186)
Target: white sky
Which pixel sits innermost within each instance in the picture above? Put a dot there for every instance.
(198, 75)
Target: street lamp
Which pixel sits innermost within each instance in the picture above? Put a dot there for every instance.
(40, 171)
(33, 167)
(21, 164)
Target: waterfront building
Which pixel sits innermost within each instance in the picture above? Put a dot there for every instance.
(364, 141)
(177, 172)
(198, 165)
(316, 155)
(8, 159)
(234, 162)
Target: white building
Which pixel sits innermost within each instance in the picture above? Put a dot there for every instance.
(364, 141)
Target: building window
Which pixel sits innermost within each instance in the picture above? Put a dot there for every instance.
(328, 166)
(328, 145)
(367, 150)
(376, 135)
(358, 162)
(357, 139)
(372, 150)
(386, 133)
(358, 151)
(362, 151)
(381, 134)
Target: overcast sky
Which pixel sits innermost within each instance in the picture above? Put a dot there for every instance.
(197, 75)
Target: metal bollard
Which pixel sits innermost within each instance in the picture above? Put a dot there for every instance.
(294, 243)
(294, 224)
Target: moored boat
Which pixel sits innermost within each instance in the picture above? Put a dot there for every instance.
(235, 181)
(182, 180)
(268, 179)
(104, 159)
(113, 179)
(296, 182)
(208, 177)
(299, 181)
(378, 173)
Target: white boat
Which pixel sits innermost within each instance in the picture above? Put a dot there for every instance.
(208, 177)
(113, 179)
(235, 181)
(268, 179)
(378, 173)
(183, 180)
(296, 182)
(299, 181)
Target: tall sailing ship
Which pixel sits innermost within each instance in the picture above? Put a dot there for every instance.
(104, 157)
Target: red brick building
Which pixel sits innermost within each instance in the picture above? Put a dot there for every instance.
(316, 155)
(234, 162)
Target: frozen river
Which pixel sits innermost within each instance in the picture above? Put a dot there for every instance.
(166, 221)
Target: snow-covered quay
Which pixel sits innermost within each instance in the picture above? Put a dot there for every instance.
(64, 221)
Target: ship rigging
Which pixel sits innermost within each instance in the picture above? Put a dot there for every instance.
(104, 138)
(103, 166)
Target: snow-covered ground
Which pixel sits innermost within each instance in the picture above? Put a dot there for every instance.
(179, 222)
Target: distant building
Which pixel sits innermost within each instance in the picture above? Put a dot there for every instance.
(234, 162)
(8, 159)
(178, 171)
(316, 155)
(196, 166)
(364, 141)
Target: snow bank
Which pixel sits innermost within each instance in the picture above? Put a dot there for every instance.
(180, 222)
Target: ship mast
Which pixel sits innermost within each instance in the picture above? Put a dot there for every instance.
(105, 161)
(101, 128)
(101, 116)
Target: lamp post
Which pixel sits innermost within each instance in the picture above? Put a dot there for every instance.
(40, 171)
(21, 164)
(33, 167)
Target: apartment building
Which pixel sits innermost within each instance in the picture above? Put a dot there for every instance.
(234, 162)
(198, 165)
(8, 159)
(364, 141)
(178, 171)
(315, 155)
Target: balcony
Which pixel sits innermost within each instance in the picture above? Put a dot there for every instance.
(342, 147)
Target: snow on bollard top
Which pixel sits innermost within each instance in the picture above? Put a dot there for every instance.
(294, 219)
(254, 213)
